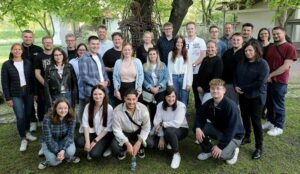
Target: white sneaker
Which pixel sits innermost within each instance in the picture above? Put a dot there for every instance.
(107, 153)
(41, 152)
(176, 161)
(42, 165)
(267, 125)
(88, 156)
(24, 144)
(33, 126)
(233, 160)
(275, 131)
(197, 142)
(204, 156)
(30, 137)
(169, 147)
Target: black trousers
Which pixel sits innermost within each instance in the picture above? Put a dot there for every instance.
(101, 145)
(132, 137)
(41, 104)
(251, 111)
(196, 94)
(152, 106)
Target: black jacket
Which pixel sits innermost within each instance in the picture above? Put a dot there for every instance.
(53, 83)
(11, 81)
(225, 117)
(31, 52)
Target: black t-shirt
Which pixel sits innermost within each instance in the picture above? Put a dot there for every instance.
(142, 54)
(42, 60)
(109, 59)
(230, 61)
(72, 54)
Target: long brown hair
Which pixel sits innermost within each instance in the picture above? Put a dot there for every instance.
(165, 104)
(183, 50)
(54, 115)
(92, 104)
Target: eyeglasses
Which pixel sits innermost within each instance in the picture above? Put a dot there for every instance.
(56, 55)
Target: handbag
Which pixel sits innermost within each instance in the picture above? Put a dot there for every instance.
(148, 97)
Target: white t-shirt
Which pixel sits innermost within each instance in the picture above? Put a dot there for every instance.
(194, 48)
(20, 68)
(104, 46)
(98, 120)
(153, 74)
(97, 60)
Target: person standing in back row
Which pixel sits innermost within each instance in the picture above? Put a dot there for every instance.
(105, 44)
(166, 42)
(280, 57)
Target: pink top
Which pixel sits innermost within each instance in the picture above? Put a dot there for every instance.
(128, 71)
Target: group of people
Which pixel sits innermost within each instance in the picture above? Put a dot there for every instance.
(126, 103)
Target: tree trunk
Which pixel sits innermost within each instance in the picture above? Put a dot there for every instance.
(178, 12)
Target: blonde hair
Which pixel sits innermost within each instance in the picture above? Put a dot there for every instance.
(159, 65)
(151, 35)
(124, 45)
(217, 82)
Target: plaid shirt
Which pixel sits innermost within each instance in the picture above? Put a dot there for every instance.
(55, 134)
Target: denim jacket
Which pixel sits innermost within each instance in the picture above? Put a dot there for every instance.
(163, 77)
(89, 74)
(139, 74)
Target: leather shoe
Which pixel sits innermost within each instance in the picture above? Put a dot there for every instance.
(257, 154)
(246, 141)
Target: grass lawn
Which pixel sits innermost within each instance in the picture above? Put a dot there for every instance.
(281, 155)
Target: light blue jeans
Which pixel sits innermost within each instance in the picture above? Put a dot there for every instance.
(182, 94)
(51, 157)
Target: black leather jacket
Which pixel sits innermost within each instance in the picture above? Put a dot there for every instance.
(53, 83)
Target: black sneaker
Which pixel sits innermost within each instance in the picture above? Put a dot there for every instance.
(122, 155)
(141, 153)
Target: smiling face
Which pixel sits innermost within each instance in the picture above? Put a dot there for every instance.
(211, 49)
(27, 38)
(228, 30)
(153, 56)
(94, 46)
(168, 30)
(130, 101)
(250, 53)
(191, 30)
(98, 95)
(214, 33)
(217, 92)
(127, 51)
(171, 99)
(16, 51)
(264, 35)
(81, 51)
(237, 41)
(278, 35)
(48, 44)
(62, 109)
(118, 41)
(71, 42)
(147, 38)
(247, 32)
(179, 43)
(58, 57)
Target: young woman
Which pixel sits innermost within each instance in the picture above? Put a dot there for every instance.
(17, 83)
(128, 73)
(58, 135)
(142, 50)
(180, 70)
(155, 79)
(60, 79)
(251, 85)
(211, 68)
(264, 37)
(170, 125)
(81, 50)
(96, 128)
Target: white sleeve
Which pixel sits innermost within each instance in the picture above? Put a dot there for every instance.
(189, 72)
(179, 116)
(202, 45)
(158, 118)
(146, 125)
(85, 117)
(117, 129)
(109, 118)
(170, 68)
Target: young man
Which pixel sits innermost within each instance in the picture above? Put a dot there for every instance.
(105, 44)
(280, 57)
(131, 127)
(109, 60)
(214, 36)
(30, 51)
(230, 59)
(228, 31)
(166, 42)
(197, 51)
(91, 70)
(41, 62)
(224, 125)
(71, 46)
(247, 32)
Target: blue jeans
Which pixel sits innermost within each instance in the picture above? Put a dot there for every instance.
(67, 95)
(51, 157)
(22, 107)
(182, 94)
(275, 103)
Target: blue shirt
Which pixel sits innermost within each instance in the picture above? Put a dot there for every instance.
(164, 46)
